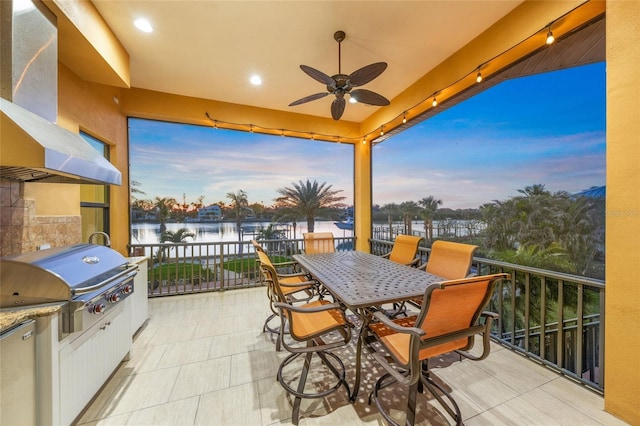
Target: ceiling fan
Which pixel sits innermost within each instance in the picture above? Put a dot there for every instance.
(341, 84)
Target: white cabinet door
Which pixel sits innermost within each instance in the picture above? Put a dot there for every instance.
(88, 361)
(139, 303)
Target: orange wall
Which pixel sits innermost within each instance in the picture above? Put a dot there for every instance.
(622, 327)
(98, 115)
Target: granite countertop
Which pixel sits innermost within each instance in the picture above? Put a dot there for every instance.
(10, 317)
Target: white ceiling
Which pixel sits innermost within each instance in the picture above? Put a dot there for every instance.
(209, 49)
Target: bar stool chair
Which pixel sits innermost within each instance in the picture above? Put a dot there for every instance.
(314, 329)
(451, 315)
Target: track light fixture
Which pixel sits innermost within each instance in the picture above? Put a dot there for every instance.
(550, 37)
(371, 135)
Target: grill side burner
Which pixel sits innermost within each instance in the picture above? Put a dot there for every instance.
(88, 280)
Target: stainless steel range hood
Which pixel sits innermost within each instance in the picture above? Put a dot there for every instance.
(34, 149)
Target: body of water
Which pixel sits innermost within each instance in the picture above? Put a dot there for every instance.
(149, 233)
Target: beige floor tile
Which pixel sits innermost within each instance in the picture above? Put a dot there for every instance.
(134, 392)
(580, 398)
(222, 372)
(180, 353)
(182, 412)
(143, 359)
(201, 377)
(230, 344)
(234, 406)
(109, 421)
(255, 365)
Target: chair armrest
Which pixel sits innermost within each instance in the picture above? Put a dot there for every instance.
(287, 263)
(295, 274)
(385, 256)
(418, 332)
(300, 284)
(423, 266)
(493, 315)
(414, 262)
(302, 309)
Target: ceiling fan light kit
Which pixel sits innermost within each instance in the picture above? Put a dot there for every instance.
(341, 84)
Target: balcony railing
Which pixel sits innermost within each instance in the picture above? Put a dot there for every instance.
(531, 305)
(182, 268)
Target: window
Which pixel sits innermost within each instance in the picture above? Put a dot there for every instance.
(94, 199)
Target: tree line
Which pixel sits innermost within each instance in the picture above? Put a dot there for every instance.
(554, 231)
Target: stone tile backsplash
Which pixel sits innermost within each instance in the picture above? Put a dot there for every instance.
(21, 230)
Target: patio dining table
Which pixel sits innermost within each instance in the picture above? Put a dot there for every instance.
(362, 282)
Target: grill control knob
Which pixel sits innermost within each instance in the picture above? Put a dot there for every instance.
(98, 309)
(127, 289)
(114, 298)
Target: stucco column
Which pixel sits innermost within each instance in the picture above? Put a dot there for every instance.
(362, 195)
(622, 310)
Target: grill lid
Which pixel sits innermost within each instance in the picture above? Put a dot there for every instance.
(56, 274)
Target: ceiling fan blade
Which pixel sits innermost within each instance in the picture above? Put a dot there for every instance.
(309, 98)
(337, 108)
(318, 75)
(366, 74)
(368, 97)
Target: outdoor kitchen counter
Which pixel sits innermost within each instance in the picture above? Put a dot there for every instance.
(12, 316)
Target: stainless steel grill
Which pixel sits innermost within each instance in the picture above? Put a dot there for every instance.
(87, 280)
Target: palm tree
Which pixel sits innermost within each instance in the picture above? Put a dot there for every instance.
(308, 199)
(429, 207)
(239, 205)
(391, 209)
(163, 209)
(178, 236)
(409, 209)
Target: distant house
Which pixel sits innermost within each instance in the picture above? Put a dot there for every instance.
(211, 213)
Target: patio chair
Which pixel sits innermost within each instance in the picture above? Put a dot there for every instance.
(297, 287)
(448, 260)
(404, 250)
(451, 315)
(314, 328)
(318, 242)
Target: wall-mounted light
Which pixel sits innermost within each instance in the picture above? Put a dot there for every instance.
(435, 102)
(479, 77)
(404, 118)
(381, 130)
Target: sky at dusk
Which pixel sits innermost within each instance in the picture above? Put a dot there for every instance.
(545, 129)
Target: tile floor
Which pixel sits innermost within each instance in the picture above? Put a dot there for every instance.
(202, 359)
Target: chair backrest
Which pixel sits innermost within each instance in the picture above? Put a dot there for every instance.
(404, 249)
(453, 307)
(450, 260)
(256, 246)
(318, 242)
(270, 276)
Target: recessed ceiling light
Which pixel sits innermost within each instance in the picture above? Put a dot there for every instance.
(143, 25)
(255, 80)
